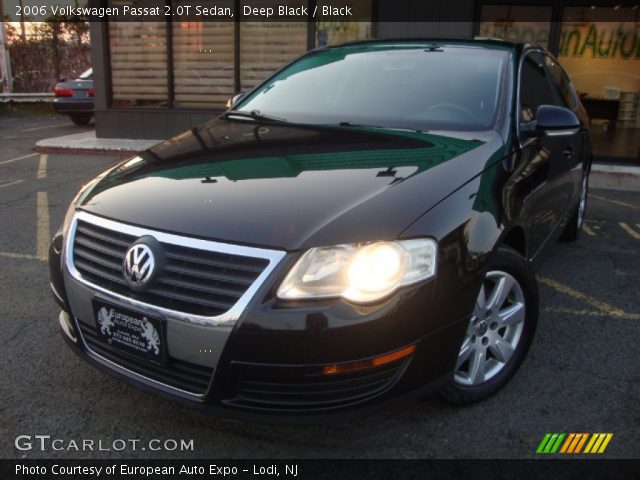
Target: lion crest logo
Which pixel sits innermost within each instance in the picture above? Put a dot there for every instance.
(150, 335)
(105, 320)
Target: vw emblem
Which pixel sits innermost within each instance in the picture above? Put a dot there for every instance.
(139, 264)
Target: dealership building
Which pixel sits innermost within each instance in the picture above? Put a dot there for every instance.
(156, 79)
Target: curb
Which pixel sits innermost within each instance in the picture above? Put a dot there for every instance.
(85, 151)
(87, 143)
(615, 177)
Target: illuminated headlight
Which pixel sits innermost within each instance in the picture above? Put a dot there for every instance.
(360, 273)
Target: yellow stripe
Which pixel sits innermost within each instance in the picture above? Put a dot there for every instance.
(617, 202)
(567, 442)
(590, 444)
(584, 439)
(605, 443)
(596, 445)
(592, 313)
(629, 230)
(42, 166)
(594, 302)
(587, 229)
(43, 227)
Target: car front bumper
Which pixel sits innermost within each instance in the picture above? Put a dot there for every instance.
(270, 364)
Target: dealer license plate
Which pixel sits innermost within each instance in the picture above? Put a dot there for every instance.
(133, 332)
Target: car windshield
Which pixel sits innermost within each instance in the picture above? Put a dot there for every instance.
(86, 75)
(419, 87)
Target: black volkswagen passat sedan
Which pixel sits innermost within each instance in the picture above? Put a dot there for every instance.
(360, 228)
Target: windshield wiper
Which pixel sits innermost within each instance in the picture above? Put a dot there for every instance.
(363, 125)
(254, 115)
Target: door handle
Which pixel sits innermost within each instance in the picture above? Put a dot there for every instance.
(568, 153)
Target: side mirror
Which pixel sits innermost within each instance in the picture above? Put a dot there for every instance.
(235, 99)
(555, 121)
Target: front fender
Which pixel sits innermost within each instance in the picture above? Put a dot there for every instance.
(468, 226)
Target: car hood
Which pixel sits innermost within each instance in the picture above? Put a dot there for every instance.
(289, 186)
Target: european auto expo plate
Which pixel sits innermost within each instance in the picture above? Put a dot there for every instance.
(133, 332)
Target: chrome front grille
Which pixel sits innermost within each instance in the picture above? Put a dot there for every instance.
(196, 281)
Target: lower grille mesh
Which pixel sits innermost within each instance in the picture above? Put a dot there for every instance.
(276, 388)
(177, 373)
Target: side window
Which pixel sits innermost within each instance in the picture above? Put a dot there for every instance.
(535, 88)
(561, 83)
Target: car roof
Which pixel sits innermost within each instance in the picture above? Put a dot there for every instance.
(477, 42)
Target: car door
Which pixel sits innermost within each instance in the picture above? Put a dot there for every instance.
(548, 159)
(571, 165)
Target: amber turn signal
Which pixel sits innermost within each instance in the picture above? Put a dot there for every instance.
(371, 363)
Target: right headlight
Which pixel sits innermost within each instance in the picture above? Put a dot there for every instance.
(360, 273)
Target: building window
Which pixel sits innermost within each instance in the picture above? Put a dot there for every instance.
(520, 23)
(138, 64)
(267, 46)
(207, 69)
(203, 73)
(600, 50)
(331, 32)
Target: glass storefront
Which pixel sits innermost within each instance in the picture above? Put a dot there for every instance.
(599, 47)
(199, 65)
(191, 68)
(139, 63)
(202, 61)
(517, 23)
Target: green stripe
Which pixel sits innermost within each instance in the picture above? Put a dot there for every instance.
(558, 442)
(543, 443)
(550, 443)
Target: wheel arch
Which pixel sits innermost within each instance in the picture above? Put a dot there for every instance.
(515, 238)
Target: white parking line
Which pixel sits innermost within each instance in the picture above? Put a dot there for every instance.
(42, 233)
(24, 256)
(4, 162)
(46, 126)
(11, 183)
(42, 166)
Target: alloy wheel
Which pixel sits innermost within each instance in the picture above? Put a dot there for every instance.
(494, 330)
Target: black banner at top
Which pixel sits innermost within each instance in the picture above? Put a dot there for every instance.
(318, 469)
(190, 10)
(317, 10)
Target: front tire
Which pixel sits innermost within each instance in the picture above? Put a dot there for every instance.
(500, 330)
(572, 231)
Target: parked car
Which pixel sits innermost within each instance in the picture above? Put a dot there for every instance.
(75, 98)
(361, 228)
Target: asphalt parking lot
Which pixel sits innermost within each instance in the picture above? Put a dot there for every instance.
(581, 374)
